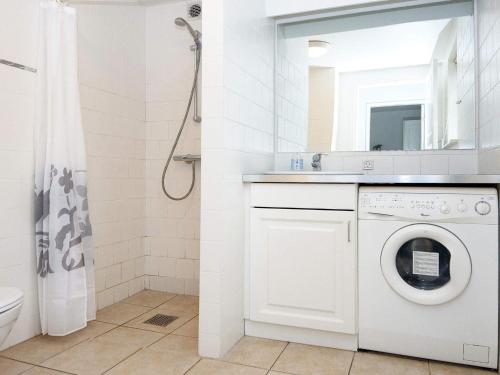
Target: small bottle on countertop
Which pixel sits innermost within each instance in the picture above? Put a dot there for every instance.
(297, 162)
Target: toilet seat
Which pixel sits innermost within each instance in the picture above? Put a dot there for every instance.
(10, 298)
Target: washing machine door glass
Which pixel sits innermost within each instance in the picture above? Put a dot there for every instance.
(426, 264)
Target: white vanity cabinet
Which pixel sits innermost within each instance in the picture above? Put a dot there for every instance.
(302, 256)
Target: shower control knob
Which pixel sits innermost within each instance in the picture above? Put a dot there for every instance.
(483, 208)
(445, 209)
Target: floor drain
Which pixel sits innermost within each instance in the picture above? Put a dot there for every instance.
(160, 320)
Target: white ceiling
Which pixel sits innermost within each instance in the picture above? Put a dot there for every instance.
(391, 46)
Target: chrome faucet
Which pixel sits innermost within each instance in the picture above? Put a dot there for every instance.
(316, 161)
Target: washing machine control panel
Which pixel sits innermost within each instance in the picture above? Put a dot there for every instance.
(422, 206)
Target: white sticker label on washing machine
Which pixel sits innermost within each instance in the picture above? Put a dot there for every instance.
(425, 263)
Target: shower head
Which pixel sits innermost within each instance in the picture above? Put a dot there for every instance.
(179, 21)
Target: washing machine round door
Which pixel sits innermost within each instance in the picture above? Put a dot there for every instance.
(426, 264)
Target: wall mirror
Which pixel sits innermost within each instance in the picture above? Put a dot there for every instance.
(394, 79)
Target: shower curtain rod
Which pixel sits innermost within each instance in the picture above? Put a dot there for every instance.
(13, 64)
(27, 68)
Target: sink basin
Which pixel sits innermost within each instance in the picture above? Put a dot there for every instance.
(315, 173)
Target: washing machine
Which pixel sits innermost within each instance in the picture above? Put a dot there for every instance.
(428, 273)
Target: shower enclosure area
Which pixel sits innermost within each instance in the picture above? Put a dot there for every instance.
(136, 68)
(171, 237)
(143, 238)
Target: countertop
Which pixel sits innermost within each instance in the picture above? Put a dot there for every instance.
(342, 178)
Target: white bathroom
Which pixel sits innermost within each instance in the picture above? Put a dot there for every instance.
(249, 187)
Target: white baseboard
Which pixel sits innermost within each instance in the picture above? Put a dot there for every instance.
(301, 335)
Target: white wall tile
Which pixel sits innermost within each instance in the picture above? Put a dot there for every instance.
(111, 47)
(237, 137)
(407, 165)
(171, 226)
(463, 164)
(489, 85)
(435, 164)
(397, 162)
(17, 254)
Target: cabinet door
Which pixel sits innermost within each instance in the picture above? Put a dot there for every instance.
(303, 268)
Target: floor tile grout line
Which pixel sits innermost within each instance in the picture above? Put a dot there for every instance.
(101, 334)
(20, 361)
(186, 337)
(253, 366)
(123, 360)
(352, 362)
(49, 368)
(71, 347)
(147, 346)
(33, 365)
(65, 350)
(127, 357)
(148, 307)
(190, 320)
(151, 330)
(136, 304)
(143, 330)
(84, 341)
(194, 364)
(279, 355)
(128, 321)
(239, 364)
(148, 330)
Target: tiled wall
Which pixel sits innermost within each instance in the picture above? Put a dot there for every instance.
(292, 94)
(172, 227)
(112, 75)
(124, 152)
(238, 75)
(17, 254)
(393, 162)
(465, 82)
(489, 85)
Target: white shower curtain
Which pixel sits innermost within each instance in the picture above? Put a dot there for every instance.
(65, 264)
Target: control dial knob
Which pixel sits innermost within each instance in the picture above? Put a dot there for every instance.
(462, 207)
(445, 209)
(483, 208)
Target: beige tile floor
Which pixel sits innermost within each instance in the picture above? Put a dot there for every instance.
(118, 343)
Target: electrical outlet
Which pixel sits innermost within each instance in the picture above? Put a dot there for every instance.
(368, 165)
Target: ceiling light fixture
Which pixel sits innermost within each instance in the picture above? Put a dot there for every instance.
(318, 48)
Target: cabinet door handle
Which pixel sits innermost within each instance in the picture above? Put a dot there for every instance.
(349, 231)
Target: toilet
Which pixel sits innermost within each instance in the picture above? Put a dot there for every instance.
(11, 302)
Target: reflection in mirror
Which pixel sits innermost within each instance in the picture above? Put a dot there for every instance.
(376, 82)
